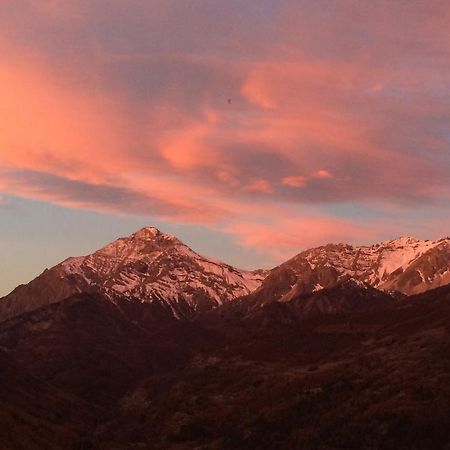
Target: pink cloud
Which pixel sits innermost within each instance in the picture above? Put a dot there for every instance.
(60, 10)
(227, 177)
(322, 174)
(285, 237)
(47, 125)
(294, 181)
(354, 111)
(261, 186)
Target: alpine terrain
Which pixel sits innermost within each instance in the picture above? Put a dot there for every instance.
(150, 266)
(145, 344)
(400, 266)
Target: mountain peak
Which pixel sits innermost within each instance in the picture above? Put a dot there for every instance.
(405, 264)
(148, 265)
(151, 234)
(144, 242)
(402, 240)
(147, 232)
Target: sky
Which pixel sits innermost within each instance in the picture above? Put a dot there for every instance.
(249, 129)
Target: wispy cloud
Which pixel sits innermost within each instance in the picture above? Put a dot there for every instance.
(259, 120)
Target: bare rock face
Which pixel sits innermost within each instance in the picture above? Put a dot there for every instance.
(429, 270)
(405, 265)
(148, 265)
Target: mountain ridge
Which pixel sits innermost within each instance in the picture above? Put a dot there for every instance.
(148, 265)
(151, 266)
(404, 265)
(291, 365)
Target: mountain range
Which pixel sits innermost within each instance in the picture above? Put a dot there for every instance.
(146, 344)
(154, 267)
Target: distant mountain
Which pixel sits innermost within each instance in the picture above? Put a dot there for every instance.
(150, 266)
(154, 267)
(332, 349)
(401, 266)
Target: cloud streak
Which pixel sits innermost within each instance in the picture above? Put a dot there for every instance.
(258, 121)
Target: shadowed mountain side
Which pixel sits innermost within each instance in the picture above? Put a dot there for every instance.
(96, 349)
(353, 380)
(346, 296)
(162, 351)
(36, 415)
(359, 378)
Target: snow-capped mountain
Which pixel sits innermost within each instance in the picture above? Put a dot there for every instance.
(149, 266)
(405, 265)
(152, 267)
